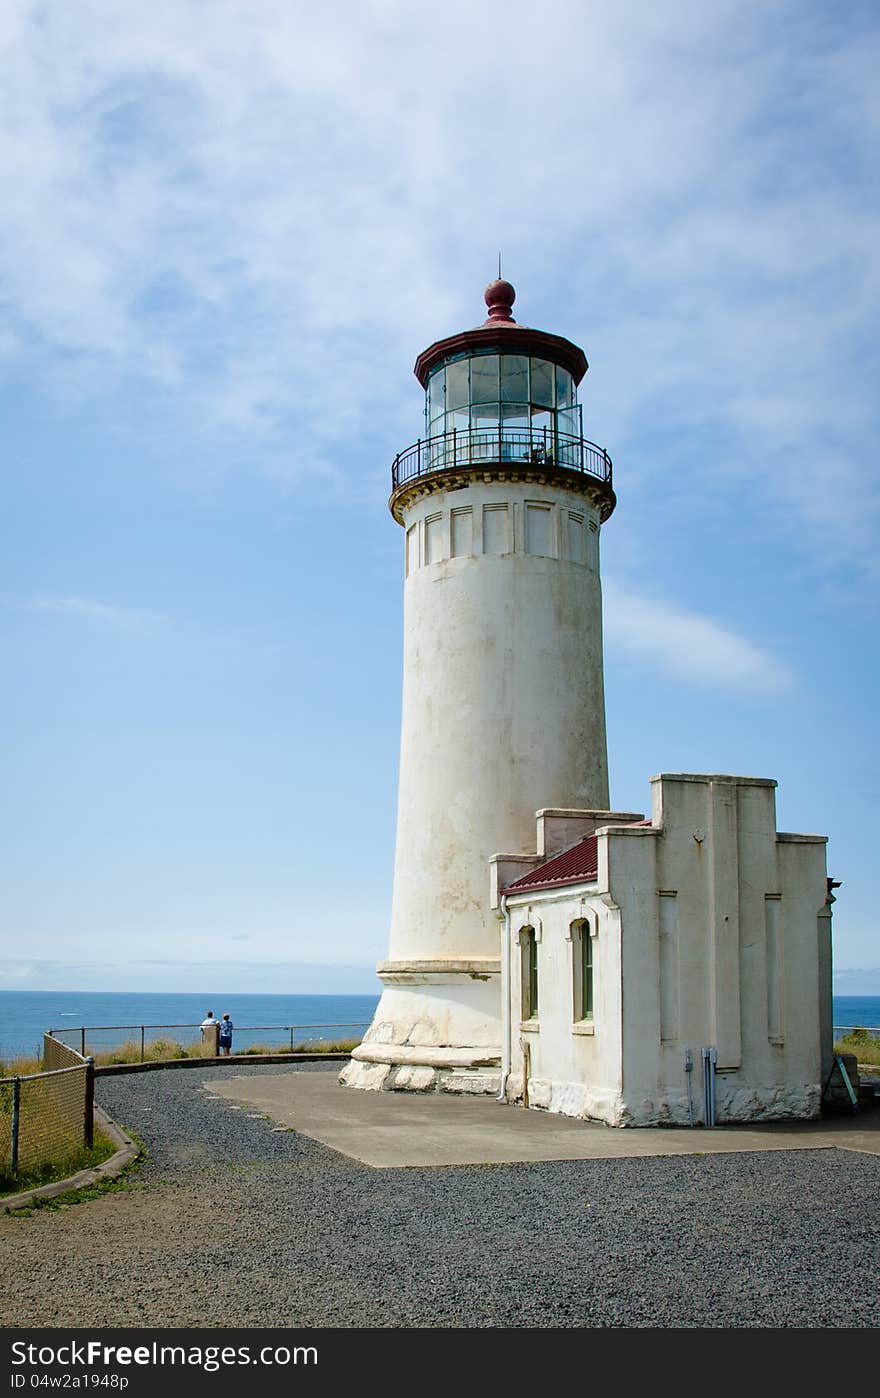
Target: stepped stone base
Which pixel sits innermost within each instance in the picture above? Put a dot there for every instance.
(434, 1076)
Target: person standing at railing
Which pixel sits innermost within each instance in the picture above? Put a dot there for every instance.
(225, 1041)
(209, 1028)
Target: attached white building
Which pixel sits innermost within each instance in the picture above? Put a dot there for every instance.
(676, 969)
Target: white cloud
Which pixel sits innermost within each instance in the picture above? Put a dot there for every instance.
(125, 618)
(267, 212)
(18, 971)
(688, 646)
(243, 977)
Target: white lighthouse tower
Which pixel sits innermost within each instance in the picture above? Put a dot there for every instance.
(501, 503)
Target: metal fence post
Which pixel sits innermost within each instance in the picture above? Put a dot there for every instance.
(89, 1106)
(291, 1038)
(16, 1112)
(82, 1041)
(142, 1043)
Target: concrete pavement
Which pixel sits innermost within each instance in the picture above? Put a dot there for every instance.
(390, 1130)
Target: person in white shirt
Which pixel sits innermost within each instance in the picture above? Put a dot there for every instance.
(209, 1028)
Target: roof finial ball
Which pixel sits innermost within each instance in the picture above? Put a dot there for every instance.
(500, 296)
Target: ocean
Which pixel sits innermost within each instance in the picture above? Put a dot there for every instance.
(264, 1019)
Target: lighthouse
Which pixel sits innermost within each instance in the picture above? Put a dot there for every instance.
(597, 963)
(500, 503)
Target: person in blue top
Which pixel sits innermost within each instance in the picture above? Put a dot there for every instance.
(226, 1028)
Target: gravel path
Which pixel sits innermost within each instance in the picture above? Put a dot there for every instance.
(233, 1224)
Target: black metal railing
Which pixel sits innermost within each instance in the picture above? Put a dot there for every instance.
(139, 1041)
(542, 447)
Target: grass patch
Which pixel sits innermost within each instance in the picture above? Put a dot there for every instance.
(327, 1046)
(20, 1067)
(114, 1185)
(59, 1169)
(864, 1044)
(310, 1046)
(156, 1050)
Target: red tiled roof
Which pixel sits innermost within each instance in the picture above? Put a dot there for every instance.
(579, 864)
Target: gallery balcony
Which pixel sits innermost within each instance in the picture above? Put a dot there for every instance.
(523, 451)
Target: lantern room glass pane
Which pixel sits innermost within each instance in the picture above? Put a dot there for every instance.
(513, 394)
(514, 378)
(484, 379)
(564, 388)
(542, 393)
(485, 414)
(457, 384)
(436, 394)
(515, 415)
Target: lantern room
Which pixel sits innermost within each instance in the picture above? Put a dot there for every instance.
(504, 394)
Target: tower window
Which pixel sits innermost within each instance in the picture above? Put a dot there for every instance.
(412, 549)
(433, 538)
(496, 529)
(539, 521)
(593, 537)
(462, 531)
(576, 549)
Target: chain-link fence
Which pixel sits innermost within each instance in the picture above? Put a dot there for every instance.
(47, 1118)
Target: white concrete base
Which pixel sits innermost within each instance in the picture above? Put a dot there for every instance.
(470, 1082)
(369, 1077)
(436, 1028)
(414, 1077)
(733, 1104)
(569, 1099)
(438, 1009)
(414, 1055)
(789, 1102)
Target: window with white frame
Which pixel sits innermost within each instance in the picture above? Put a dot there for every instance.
(529, 964)
(582, 969)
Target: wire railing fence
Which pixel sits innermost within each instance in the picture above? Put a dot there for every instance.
(47, 1117)
(133, 1043)
(866, 1031)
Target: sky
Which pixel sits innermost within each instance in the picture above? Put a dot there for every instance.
(229, 228)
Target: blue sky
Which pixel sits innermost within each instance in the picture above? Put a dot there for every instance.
(229, 229)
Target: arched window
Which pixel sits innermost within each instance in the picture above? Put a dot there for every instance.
(529, 966)
(582, 969)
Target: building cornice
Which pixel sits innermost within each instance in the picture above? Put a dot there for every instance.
(600, 495)
(508, 338)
